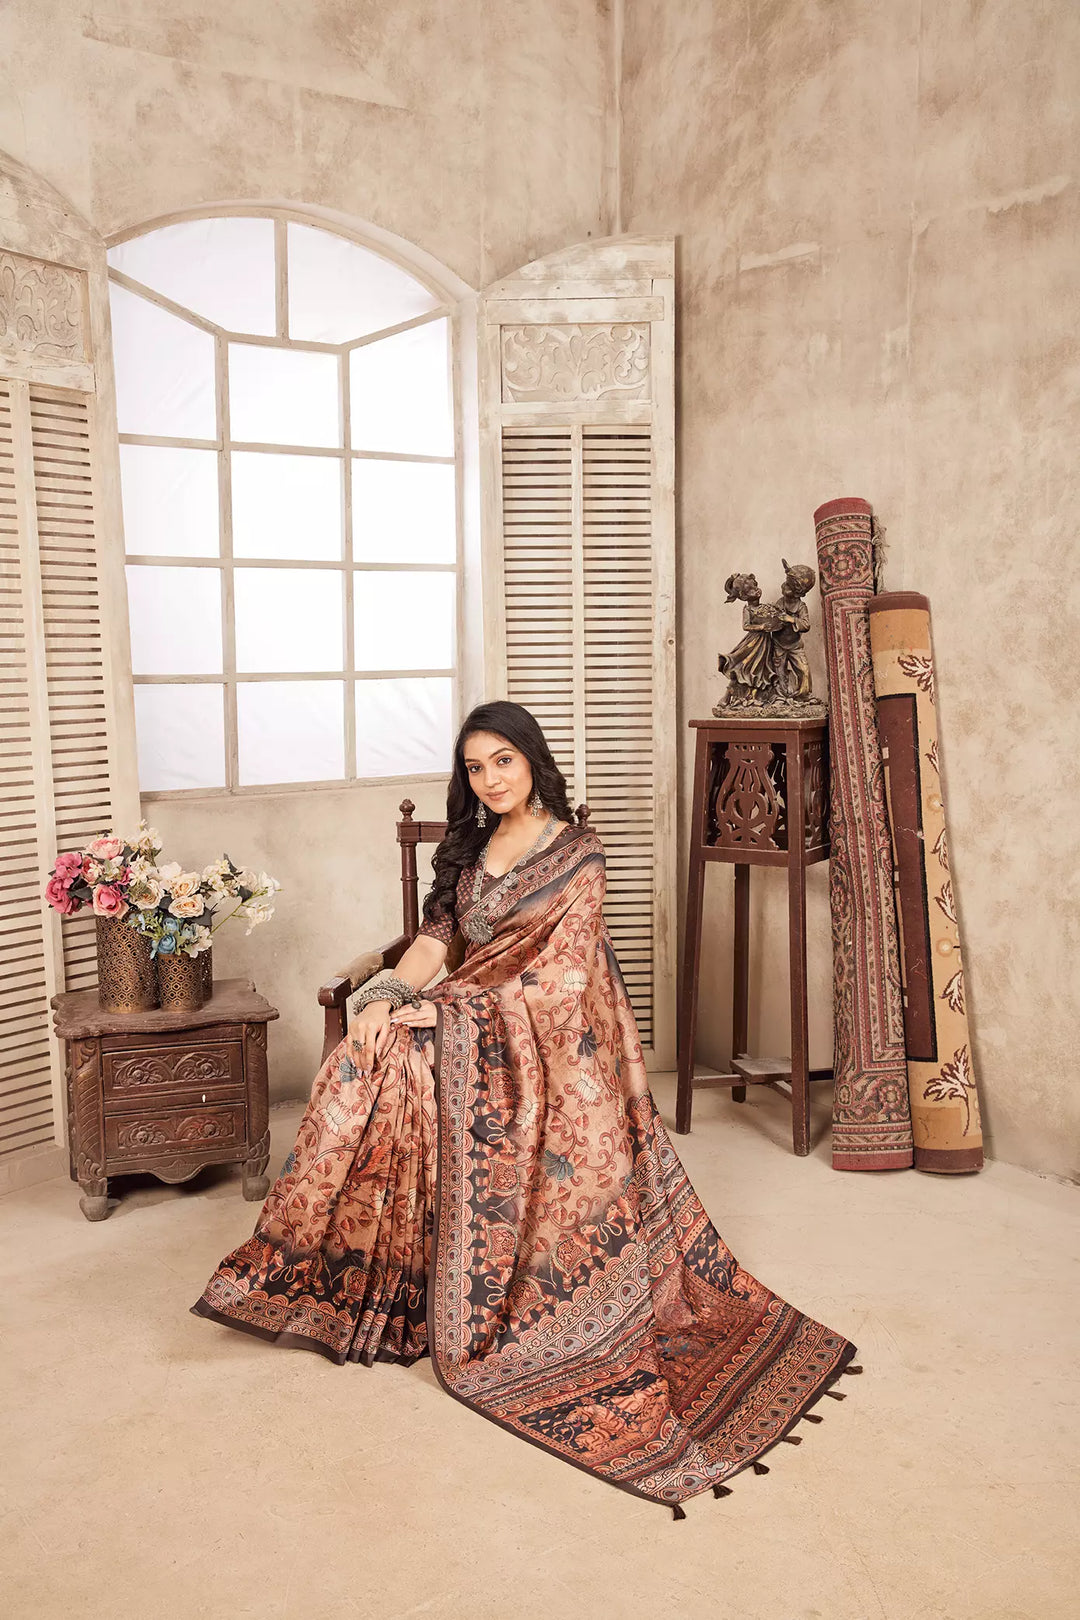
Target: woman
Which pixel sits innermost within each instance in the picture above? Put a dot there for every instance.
(482, 1174)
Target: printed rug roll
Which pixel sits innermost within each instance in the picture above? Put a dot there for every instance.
(944, 1102)
(871, 1114)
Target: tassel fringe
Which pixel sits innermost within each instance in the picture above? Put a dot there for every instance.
(722, 1490)
(852, 1369)
(812, 1417)
(835, 1395)
(793, 1439)
(760, 1468)
(677, 1512)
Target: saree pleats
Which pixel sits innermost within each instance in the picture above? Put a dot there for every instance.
(502, 1193)
(338, 1257)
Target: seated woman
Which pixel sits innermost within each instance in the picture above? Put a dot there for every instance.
(482, 1175)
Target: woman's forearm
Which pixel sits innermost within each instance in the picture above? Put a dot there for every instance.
(421, 962)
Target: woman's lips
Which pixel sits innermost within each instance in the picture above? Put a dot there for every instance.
(499, 795)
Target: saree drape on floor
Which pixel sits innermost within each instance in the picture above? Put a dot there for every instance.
(511, 1171)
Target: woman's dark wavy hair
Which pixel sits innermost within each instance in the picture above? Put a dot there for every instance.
(464, 839)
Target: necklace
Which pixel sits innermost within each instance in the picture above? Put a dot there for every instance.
(477, 925)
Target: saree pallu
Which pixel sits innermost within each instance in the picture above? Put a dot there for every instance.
(575, 1291)
(871, 1111)
(941, 1080)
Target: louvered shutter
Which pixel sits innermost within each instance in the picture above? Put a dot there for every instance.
(66, 730)
(577, 425)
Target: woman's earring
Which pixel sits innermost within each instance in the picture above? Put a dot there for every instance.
(481, 815)
(536, 804)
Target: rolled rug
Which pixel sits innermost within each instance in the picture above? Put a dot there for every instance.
(945, 1119)
(871, 1114)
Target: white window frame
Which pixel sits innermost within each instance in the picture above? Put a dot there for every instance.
(456, 305)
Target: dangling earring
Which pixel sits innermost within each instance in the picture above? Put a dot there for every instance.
(481, 814)
(536, 804)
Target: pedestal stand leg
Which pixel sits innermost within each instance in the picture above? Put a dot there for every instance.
(94, 1202)
(695, 887)
(740, 965)
(800, 1073)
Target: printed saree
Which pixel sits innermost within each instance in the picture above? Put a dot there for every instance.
(501, 1192)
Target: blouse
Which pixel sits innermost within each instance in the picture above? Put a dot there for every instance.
(443, 924)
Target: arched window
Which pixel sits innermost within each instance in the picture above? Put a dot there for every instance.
(290, 487)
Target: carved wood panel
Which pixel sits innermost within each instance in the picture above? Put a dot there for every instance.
(42, 311)
(551, 364)
(147, 1134)
(745, 807)
(143, 1074)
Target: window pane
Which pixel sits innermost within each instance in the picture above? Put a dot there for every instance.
(339, 291)
(291, 731)
(180, 732)
(277, 396)
(286, 506)
(288, 618)
(403, 511)
(402, 727)
(175, 616)
(164, 371)
(223, 269)
(170, 500)
(400, 392)
(404, 621)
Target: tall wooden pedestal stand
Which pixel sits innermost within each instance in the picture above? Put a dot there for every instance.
(760, 799)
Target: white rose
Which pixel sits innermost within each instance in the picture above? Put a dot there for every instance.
(199, 942)
(187, 905)
(171, 869)
(146, 892)
(267, 884)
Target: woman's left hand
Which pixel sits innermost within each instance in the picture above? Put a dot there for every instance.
(419, 1017)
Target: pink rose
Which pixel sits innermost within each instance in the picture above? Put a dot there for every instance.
(59, 897)
(68, 866)
(106, 849)
(109, 902)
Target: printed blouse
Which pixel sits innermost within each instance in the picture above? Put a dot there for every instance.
(442, 925)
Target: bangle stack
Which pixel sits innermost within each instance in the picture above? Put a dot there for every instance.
(396, 991)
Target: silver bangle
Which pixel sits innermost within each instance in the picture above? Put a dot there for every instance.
(394, 990)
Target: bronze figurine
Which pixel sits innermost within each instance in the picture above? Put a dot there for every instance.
(768, 672)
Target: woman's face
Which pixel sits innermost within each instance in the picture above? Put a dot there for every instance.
(500, 776)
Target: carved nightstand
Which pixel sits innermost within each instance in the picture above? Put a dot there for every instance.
(167, 1092)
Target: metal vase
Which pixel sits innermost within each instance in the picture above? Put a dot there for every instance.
(184, 982)
(127, 982)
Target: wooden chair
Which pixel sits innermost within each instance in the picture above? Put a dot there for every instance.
(334, 994)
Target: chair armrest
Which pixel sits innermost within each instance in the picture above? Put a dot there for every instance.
(336, 991)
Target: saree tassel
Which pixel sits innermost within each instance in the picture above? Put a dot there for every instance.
(760, 1468)
(852, 1369)
(677, 1512)
(793, 1439)
(812, 1417)
(722, 1490)
(835, 1395)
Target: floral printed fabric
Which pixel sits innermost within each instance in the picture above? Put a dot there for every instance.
(511, 1167)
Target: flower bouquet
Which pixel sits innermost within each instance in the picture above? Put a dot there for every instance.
(155, 922)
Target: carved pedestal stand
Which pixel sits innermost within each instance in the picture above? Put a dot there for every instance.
(167, 1092)
(760, 799)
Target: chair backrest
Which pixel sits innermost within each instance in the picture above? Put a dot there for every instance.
(409, 834)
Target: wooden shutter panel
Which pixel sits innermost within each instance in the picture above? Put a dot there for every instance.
(577, 421)
(66, 717)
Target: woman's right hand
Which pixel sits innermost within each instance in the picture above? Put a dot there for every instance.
(372, 1032)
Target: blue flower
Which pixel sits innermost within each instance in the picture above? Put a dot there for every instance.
(290, 1163)
(557, 1165)
(165, 946)
(346, 1070)
(587, 1044)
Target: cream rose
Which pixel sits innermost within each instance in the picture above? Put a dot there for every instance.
(187, 905)
(186, 884)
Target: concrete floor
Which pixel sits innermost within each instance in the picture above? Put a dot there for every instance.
(153, 1463)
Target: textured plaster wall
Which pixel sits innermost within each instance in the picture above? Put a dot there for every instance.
(476, 132)
(878, 214)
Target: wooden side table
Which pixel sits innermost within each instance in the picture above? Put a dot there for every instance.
(167, 1092)
(761, 798)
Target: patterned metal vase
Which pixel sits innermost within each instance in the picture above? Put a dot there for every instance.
(184, 981)
(127, 982)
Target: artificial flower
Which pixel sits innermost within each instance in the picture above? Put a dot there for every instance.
(108, 901)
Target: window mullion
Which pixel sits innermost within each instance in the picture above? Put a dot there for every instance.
(228, 605)
(347, 541)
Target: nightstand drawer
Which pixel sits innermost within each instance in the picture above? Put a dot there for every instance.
(204, 1035)
(173, 1075)
(178, 1129)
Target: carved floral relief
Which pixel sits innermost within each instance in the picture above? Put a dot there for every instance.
(41, 310)
(553, 364)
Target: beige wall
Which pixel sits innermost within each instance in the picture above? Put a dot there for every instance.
(478, 133)
(878, 213)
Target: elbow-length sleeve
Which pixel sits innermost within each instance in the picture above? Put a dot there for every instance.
(441, 925)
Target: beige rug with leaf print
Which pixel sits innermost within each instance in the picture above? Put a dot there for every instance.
(944, 1100)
